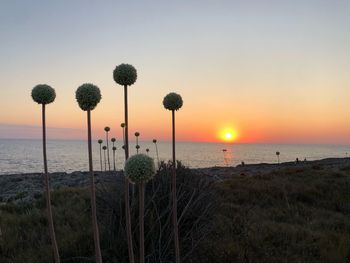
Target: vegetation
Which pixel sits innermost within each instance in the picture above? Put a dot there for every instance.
(173, 102)
(107, 129)
(126, 75)
(292, 215)
(140, 169)
(100, 143)
(88, 96)
(43, 94)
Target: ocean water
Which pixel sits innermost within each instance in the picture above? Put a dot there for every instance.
(25, 156)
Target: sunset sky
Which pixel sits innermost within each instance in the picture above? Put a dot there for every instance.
(268, 71)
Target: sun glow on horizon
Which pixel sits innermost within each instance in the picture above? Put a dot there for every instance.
(228, 135)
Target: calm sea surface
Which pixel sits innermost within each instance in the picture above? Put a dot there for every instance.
(25, 156)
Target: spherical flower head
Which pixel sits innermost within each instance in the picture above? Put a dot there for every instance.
(139, 168)
(172, 101)
(122, 125)
(114, 148)
(107, 129)
(277, 153)
(147, 150)
(43, 94)
(100, 141)
(113, 139)
(88, 96)
(137, 134)
(123, 147)
(154, 141)
(104, 147)
(125, 74)
(137, 146)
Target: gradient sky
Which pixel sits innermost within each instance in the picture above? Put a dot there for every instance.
(274, 71)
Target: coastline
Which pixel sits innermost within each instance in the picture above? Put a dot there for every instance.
(24, 188)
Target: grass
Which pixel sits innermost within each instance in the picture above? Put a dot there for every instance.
(292, 215)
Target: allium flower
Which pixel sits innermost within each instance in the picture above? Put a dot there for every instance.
(88, 96)
(122, 125)
(154, 141)
(125, 74)
(172, 101)
(139, 168)
(113, 140)
(137, 147)
(137, 134)
(107, 129)
(104, 147)
(114, 148)
(100, 141)
(43, 94)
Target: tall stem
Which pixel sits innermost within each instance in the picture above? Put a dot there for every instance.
(157, 155)
(137, 143)
(141, 221)
(175, 224)
(109, 164)
(105, 159)
(47, 193)
(126, 183)
(114, 160)
(101, 156)
(93, 195)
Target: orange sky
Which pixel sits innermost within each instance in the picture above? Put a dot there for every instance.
(275, 73)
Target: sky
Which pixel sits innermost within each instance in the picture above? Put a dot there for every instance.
(268, 71)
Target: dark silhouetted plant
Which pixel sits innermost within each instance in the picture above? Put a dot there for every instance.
(114, 149)
(43, 94)
(123, 128)
(113, 140)
(139, 169)
(104, 156)
(137, 134)
(100, 143)
(107, 129)
(126, 75)
(88, 96)
(278, 157)
(155, 144)
(147, 150)
(173, 102)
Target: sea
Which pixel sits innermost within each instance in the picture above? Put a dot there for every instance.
(25, 156)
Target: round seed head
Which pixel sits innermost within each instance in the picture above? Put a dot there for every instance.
(88, 96)
(104, 147)
(154, 140)
(107, 129)
(123, 147)
(43, 94)
(114, 148)
(113, 139)
(139, 168)
(172, 101)
(125, 74)
(277, 153)
(100, 141)
(147, 150)
(137, 146)
(122, 125)
(137, 134)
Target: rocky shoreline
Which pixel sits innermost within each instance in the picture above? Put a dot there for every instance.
(24, 188)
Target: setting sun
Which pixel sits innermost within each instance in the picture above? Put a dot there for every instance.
(228, 135)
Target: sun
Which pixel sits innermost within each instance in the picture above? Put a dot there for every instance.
(228, 135)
